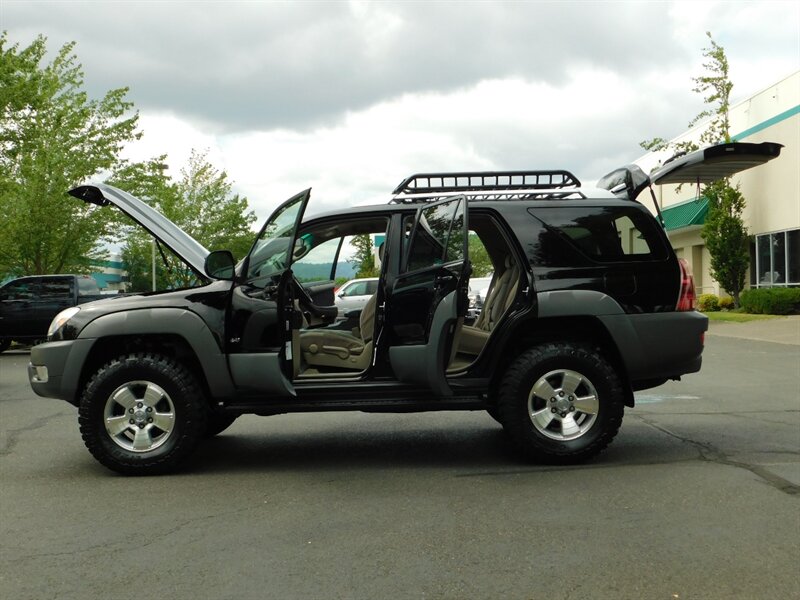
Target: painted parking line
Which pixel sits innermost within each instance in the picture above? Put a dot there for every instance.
(653, 398)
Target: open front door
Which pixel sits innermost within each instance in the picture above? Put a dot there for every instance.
(428, 300)
(262, 316)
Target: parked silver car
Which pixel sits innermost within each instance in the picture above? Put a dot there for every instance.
(355, 293)
(478, 290)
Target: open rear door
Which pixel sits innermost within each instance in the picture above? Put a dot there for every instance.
(428, 300)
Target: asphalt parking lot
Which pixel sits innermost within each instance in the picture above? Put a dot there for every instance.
(698, 497)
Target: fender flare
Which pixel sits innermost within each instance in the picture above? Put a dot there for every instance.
(173, 321)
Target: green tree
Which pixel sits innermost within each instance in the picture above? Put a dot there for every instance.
(149, 182)
(201, 203)
(724, 231)
(363, 260)
(53, 137)
(478, 257)
(726, 237)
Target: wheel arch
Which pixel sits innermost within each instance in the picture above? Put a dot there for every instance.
(177, 333)
(583, 329)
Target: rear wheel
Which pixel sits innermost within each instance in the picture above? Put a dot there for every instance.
(142, 414)
(561, 403)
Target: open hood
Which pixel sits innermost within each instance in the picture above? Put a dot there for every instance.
(165, 231)
(701, 167)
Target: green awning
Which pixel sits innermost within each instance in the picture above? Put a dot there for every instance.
(685, 214)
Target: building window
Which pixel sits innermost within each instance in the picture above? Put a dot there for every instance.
(778, 259)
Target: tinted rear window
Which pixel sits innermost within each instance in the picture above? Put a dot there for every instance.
(607, 233)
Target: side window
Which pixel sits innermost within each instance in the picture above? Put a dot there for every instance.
(357, 289)
(433, 242)
(54, 288)
(270, 253)
(22, 290)
(317, 265)
(455, 239)
(607, 233)
(372, 287)
(86, 286)
(339, 258)
(631, 239)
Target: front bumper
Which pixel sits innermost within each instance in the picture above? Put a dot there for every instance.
(55, 368)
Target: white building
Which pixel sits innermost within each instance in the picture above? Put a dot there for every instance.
(772, 192)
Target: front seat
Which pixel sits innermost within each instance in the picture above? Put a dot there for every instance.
(341, 349)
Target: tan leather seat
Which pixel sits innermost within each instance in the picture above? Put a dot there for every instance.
(501, 294)
(341, 349)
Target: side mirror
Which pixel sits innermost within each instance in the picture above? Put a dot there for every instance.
(219, 265)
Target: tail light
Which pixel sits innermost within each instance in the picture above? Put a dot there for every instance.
(688, 299)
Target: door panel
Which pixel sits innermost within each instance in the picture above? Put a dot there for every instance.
(424, 364)
(18, 300)
(321, 293)
(55, 294)
(428, 300)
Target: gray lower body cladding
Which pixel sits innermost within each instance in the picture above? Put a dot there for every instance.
(658, 345)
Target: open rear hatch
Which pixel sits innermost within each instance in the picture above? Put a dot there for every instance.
(701, 167)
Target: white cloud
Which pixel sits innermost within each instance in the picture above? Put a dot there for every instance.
(350, 98)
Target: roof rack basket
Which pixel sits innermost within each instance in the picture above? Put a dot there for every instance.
(498, 185)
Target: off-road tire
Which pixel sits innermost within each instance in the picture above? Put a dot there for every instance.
(218, 422)
(535, 442)
(185, 394)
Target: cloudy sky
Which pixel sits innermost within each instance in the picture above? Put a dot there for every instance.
(350, 97)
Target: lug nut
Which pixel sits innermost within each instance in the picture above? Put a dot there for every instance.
(551, 400)
(563, 414)
(149, 409)
(150, 419)
(139, 405)
(551, 410)
(561, 394)
(131, 421)
(130, 410)
(571, 409)
(572, 398)
(141, 425)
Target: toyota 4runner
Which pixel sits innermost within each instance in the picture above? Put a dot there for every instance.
(588, 303)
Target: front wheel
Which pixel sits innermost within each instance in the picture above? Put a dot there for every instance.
(142, 414)
(561, 403)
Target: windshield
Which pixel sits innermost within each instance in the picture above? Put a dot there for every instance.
(270, 253)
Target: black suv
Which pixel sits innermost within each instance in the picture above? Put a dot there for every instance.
(588, 303)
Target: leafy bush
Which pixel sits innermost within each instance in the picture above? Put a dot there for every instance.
(708, 303)
(726, 303)
(771, 301)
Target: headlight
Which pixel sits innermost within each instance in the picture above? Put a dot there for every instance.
(61, 319)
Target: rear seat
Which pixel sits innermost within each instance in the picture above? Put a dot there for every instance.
(501, 294)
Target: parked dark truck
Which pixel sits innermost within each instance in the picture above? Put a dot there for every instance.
(28, 305)
(588, 304)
